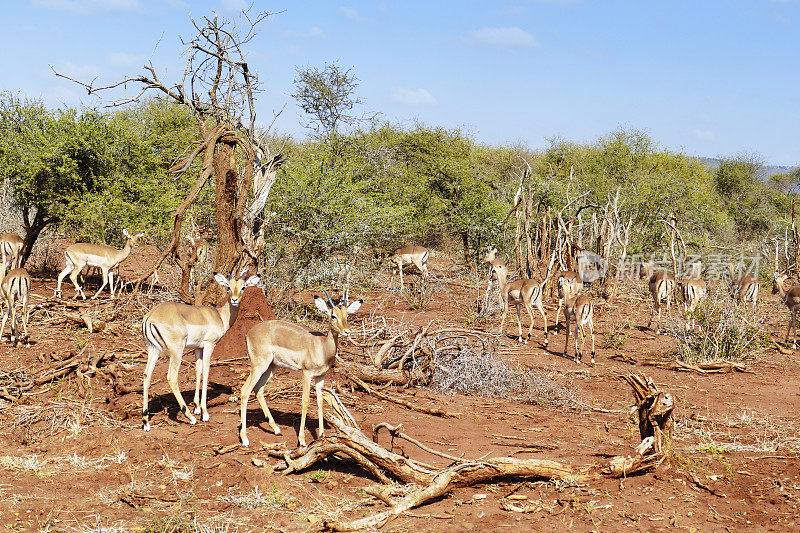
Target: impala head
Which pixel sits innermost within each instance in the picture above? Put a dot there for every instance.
(778, 281)
(134, 239)
(491, 255)
(337, 313)
(497, 272)
(236, 285)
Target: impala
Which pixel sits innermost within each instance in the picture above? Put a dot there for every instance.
(172, 327)
(743, 288)
(494, 261)
(278, 343)
(15, 287)
(527, 292)
(577, 307)
(570, 284)
(791, 297)
(693, 291)
(104, 257)
(410, 255)
(11, 250)
(661, 285)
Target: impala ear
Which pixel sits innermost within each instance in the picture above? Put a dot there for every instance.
(321, 305)
(222, 280)
(125, 232)
(140, 235)
(252, 281)
(353, 307)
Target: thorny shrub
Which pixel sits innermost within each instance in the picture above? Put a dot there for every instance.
(471, 372)
(725, 331)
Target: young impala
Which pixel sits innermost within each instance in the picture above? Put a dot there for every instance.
(104, 257)
(278, 343)
(15, 288)
(577, 307)
(172, 327)
(410, 255)
(11, 250)
(527, 292)
(791, 298)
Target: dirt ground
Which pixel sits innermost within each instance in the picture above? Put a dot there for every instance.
(74, 456)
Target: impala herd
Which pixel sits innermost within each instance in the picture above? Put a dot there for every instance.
(172, 327)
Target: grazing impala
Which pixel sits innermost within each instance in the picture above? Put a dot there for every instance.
(791, 297)
(11, 250)
(172, 327)
(410, 255)
(15, 287)
(104, 257)
(578, 307)
(570, 284)
(661, 285)
(693, 291)
(278, 343)
(743, 288)
(527, 292)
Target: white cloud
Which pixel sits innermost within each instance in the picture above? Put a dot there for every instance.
(504, 37)
(89, 7)
(413, 96)
(122, 59)
(233, 5)
(703, 135)
(80, 72)
(351, 14)
(315, 32)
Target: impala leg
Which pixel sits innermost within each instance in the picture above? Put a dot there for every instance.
(24, 315)
(152, 357)
(503, 316)
(14, 331)
(207, 349)
(74, 277)
(794, 326)
(111, 282)
(105, 273)
(544, 317)
(566, 340)
(261, 386)
(304, 408)
(172, 379)
(580, 339)
(558, 311)
(259, 376)
(519, 323)
(400, 269)
(319, 382)
(5, 315)
(198, 375)
(62, 275)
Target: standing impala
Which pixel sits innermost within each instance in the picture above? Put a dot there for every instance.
(104, 257)
(278, 343)
(527, 292)
(743, 288)
(570, 284)
(494, 261)
(661, 285)
(577, 307)
(15, 288)
(11, 250)
(172, 327)
(693, 291)
(410, 255)
(791, 297)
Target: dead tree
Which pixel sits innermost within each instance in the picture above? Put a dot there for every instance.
(218, 89)
(654, 409)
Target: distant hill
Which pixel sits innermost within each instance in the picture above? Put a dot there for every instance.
(766, 171)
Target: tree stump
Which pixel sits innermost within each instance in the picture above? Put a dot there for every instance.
(654, 408)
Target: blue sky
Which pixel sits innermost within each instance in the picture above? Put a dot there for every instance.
(709, 77)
